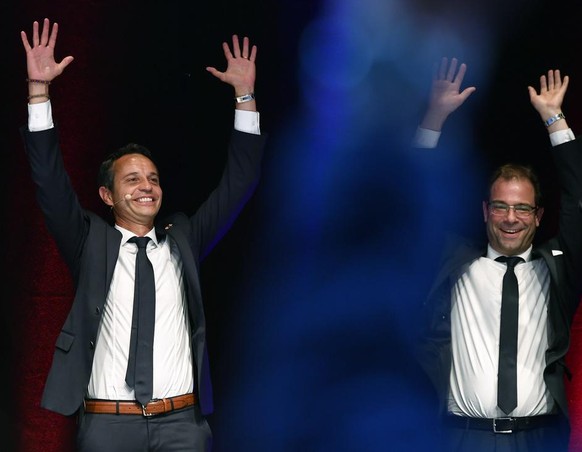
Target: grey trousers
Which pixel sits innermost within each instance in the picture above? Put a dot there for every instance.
(183, 430)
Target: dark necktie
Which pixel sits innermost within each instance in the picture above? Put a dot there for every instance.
(507, 372)
(139, 374)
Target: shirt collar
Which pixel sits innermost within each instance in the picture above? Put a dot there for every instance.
(492, 254)
(126, 235)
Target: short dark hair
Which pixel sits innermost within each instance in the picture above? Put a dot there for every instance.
(511, 171)
(105, 176)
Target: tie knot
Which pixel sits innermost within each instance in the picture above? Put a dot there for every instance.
(511, 261)
(141, 242)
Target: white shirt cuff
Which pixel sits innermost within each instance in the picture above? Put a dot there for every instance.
(561, 136)
(40, 116)
(425, 138)
(247, 121)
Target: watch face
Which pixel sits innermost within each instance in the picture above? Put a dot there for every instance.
(245, 98)
(555, 118)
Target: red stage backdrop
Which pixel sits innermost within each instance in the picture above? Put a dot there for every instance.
(44, 291)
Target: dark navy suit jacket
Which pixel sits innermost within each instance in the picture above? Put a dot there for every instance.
(563, 256)
(90, 247)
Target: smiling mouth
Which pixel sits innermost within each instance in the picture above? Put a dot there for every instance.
(145, 199)
(510, 231)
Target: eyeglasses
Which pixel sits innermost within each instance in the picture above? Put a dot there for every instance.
(499, 208)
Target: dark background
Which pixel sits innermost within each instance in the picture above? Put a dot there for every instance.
(310, 297)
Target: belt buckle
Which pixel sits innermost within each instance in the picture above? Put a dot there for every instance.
(144, 409)
(508, 428)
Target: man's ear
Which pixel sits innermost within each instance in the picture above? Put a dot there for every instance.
(539, 215)
(485, 211)
(106, 195)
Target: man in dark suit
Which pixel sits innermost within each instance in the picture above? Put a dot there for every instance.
(460, 348)
(89, 373)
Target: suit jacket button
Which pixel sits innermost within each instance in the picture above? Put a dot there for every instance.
(91, 345)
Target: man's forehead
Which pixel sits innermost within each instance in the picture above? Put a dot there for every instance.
(134, 163)
(512, 187)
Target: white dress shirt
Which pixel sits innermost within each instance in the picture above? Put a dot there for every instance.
(172, 354)
(475, 320)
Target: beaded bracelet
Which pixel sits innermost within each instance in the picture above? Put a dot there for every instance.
(42, 82)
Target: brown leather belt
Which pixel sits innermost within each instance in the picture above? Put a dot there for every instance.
(156, 406)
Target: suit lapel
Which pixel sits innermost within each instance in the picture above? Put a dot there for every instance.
(190, 265)
(112, 243)
(546, 254)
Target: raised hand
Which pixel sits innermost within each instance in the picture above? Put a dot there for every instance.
(548, 102)
(40, 60)
(241, 71)
(445, 94)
